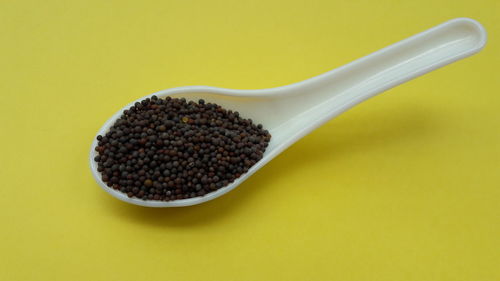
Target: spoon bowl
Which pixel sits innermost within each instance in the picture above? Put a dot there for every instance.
(291, 112)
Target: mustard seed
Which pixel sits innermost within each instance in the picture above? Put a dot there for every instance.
(170, 149)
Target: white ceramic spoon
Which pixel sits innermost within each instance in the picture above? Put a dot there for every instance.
(293, 111)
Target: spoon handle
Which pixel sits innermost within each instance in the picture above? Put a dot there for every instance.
(325, 96)
(410, 58)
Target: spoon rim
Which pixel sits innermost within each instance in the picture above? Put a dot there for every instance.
(178, 202)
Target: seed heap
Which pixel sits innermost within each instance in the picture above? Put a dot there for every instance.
(168, 149)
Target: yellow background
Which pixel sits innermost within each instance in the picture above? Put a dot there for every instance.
(403, 187)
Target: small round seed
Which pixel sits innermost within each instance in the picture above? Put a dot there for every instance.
(169, 149)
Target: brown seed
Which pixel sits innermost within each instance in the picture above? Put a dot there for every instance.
(167, 149)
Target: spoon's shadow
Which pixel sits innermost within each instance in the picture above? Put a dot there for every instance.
(346, 135)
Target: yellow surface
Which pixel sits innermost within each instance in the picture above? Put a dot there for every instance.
(403, 187)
